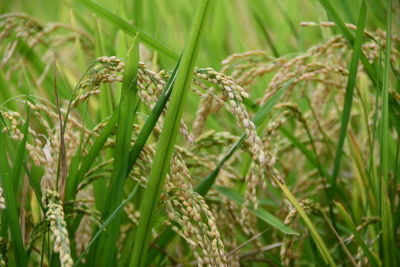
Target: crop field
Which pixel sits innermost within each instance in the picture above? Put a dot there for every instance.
(199, 133)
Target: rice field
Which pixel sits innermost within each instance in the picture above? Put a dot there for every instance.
(200, 133)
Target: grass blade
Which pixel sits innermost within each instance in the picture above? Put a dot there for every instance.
(6, 178)
(106, 96)
(128, 28)
(388, 232)
(129, 103)
(351, 84)
(168, 137)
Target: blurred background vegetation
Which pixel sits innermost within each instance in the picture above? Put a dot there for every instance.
(234, 25)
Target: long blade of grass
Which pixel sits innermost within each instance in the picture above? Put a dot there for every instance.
(11, 201)
(106, 92)
(168, 137)
(386, 212)
(128, 28)
(129, 103)
(351, 84)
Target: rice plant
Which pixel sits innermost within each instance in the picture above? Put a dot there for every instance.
(199, 133)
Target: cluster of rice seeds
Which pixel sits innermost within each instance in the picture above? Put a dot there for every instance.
(25, 28)
(322, 118)
(225, 213)
(189, 211)
(271, 137)
(202, 112)
(42, 111)
(212, 138)
(132, 213)
(208, 159)
(46, 153)
(197, 224)
(58, 227)
(243, 61)
(141, 170)
(233, 95)
(370, 49)
(307, 67)
(109, 69)
(253, 179)
(52, 151)
(246, 69)
(16, 123)
(20, 26)
(304, 67)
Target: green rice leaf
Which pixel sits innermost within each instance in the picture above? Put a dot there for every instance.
(388, 233)
(351, 84)
(7, 177)
(166, 143)
(129, 103)
(128, 28)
